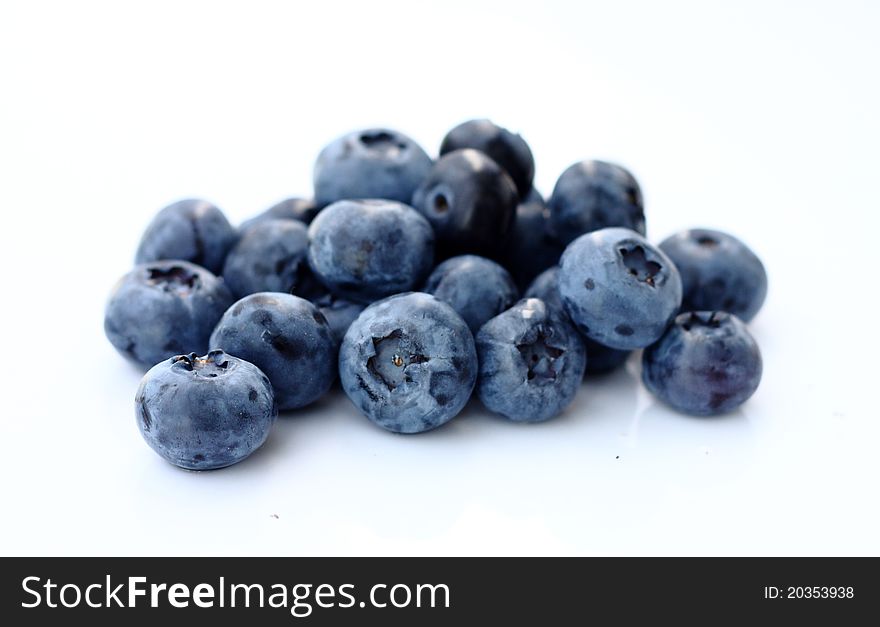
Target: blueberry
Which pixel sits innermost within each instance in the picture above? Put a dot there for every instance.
(363, 250)
(618, 289)
(408, 363)
(718, 272)
(600, 359)
(533, 247)
(546, 287)
(164, 308)
(193, 230)
(302, 209)
(373, 163)
(202, 413)
(471, 203)
(272, 256)
(507, 149)
(340, 313)
(707, 363)
(532, 361)
(286, 337)
(593, 195)
(475, 287)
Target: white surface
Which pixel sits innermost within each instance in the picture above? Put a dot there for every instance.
(761, 119)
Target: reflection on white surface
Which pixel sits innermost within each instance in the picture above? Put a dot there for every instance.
(327, 472)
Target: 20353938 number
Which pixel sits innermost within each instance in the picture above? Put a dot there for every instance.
(819, 592)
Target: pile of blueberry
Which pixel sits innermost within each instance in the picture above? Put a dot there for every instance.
(403, 276)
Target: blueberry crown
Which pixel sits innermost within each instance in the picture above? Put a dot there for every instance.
(172, 278)
(706, 319)
(211, 365)
(639, 265)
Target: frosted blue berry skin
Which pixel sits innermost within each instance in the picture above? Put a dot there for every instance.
(718, 272)
(600, 359)
(593, 195)
(475, 287)
(203, 413)
(272, 256)
(286, 337)
(507, 149)
(162, 309)
(364, 250)
(707, 363)
(546, 287)
(192, 230)
(300, 209)
(408, 363)
(618, 289)
(532, 361)
(370, 163)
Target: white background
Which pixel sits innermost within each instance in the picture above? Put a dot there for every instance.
(758, 118)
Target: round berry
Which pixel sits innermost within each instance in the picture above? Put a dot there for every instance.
(619, 290)
(475, 287)
(272, 256)
(718, 272)
(192, 230)
(507, 149)
(164, 308)
(471, 203)
(593, 195)
(532, 361)
(202, 413)
(408, 363)
(286, 337)
(372, 163)
(363, 250)
(707, 363)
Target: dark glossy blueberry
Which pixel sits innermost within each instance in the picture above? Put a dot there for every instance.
(600, 359)
(408, 363)
(718, 272)
(593, 195)
(471, 203)
(707, 363)
(533, 248)
(202, 413)
(507, 149)
(340, 313)
(532, 361)
(164, 308)
(372, 163)
(272, 256)
(618, 289)
(193, 230)
(286, 337)
(302, 209)
(363, 250)
(475, 287)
